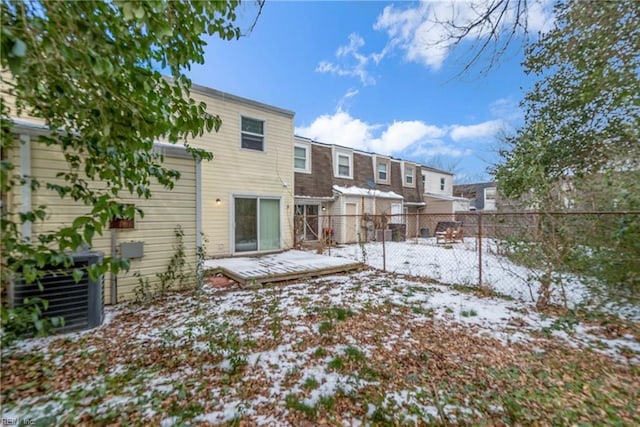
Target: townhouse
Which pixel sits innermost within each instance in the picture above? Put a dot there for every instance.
(353, 186)
(247, 189)
(241, 202)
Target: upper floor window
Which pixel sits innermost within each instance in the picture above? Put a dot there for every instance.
(383, 173)
(443, 182)
(301, 160)
(424, 182)
(252, 134)
(344, 165)
(408, 176)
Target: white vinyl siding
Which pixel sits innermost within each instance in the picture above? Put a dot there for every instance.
(163, 212)
(252, 134)
(237, 171)
(433, 182)
(490, 198)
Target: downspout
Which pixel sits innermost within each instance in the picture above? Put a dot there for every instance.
(25, 199)
(25, 190)
(113, 278)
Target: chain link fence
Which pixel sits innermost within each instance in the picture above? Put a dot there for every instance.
(545, 257)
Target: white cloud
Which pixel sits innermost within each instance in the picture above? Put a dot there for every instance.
(351, 62)
(479, 131)
(339, 128)
(439, 148)
(355, 43)
(343, 129)
(422, 33)
(506, 109)
(402, 134)
(345, 98)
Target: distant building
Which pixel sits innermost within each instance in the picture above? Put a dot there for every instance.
(348, 183)
(482, 196)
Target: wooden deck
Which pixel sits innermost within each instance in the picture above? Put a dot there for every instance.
(290, 265)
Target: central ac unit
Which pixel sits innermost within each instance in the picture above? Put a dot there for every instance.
(81, 304)
(387, 235)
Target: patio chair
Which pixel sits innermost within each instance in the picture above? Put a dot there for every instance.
(458, 235)
(445, 236)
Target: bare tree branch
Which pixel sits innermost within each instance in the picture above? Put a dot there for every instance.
(492, 31)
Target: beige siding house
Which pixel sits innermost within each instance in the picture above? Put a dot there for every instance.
(247, 189)
(153, 236)
(239, 203)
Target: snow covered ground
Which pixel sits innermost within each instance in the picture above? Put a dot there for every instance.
(458, 264)
(343, 350)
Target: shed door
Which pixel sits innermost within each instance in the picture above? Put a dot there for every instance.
(351, 222)
(396, 213)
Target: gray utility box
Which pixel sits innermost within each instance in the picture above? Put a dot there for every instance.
(130, 250)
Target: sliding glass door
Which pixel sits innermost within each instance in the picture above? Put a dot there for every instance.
(246, 225)
(257, 224)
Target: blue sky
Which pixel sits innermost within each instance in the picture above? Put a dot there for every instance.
(368, 75)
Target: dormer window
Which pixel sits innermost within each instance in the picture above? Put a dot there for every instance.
(408, 179)
(409, 173)
(343, 164)
(302, 157)
(383, 173)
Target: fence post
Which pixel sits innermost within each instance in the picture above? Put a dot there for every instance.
(330, 235)
(384, 253)
(479, 249)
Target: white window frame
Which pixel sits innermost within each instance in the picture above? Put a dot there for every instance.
(386, 172)
(307, 148)
(408, 177)
(336, 165)
(405, 168)
(443, 183)
(490, 193)
(263, 135)
(232, 213)
(424, 182)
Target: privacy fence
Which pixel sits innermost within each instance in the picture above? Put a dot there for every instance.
(548, 257)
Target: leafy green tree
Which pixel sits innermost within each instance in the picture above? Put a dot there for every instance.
(582, 117)
(579, 147)
(89, 70)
